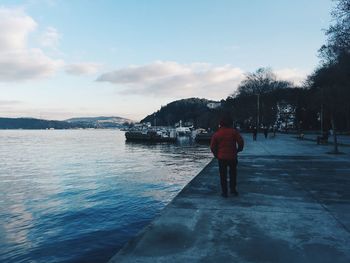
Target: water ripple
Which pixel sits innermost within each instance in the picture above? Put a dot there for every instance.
(79, 195)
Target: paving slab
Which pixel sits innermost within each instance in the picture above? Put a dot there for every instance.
(293, 206)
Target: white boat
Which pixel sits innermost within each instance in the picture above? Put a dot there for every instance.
(183, 131)
(155, 134)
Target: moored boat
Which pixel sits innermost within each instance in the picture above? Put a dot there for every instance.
(183, 131)
(150, 136)
(203, 136)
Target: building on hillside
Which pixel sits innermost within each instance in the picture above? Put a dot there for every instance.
(214, 105)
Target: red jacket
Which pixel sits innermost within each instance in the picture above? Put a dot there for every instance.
(225, 143)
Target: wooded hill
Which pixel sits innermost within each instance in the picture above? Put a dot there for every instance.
(31, 123)
(73, 123)
(193, 110)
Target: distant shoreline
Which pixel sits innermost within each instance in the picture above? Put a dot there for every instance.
(58, 129)
(74, 123)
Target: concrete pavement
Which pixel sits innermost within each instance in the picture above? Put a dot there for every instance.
(294, 206)
(343, 140)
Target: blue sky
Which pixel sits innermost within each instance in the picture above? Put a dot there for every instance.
(61, 59)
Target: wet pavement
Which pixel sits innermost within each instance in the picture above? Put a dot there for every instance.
(293, 206)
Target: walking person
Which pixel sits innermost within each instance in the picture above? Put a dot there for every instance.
(274, 131)
(266, 131)
(255, 132)
(225, 144)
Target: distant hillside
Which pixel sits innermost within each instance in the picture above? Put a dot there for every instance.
(100, 122)
(31, 123)
(194, 110)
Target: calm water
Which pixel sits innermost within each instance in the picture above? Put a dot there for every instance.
(79, 195)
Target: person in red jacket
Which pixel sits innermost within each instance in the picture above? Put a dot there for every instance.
(225, 144)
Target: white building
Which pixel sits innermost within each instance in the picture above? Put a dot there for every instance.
(214, 105)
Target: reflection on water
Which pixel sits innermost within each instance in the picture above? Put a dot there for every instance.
(69, 196)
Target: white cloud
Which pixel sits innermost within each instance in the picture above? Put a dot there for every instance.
(7, 106)
(174, 80)
(17, 60)
(26, 64)
(15, 26)
(293, 75)
(50, 38)
(141, 74)
(82, 68)
(6, 103)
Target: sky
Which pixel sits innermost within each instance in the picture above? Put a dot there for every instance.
(72, 58)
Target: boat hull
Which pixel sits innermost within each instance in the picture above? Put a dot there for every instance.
(204, 137)
(136, 136)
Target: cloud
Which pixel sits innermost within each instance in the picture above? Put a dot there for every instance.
(8, 106)
(15, 26)
(17, 60)
(82, 68)
(50, 38)
(175, 80)
(6, 103)
(28, 64)
(293, 75)
(141, 74)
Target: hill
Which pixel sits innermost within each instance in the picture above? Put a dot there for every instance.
(73, 123)
(32, 123)
(201, 112)
(100, 122)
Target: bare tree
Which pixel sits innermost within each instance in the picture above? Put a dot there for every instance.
(261, 81)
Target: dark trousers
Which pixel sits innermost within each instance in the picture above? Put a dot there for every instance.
(232, 165)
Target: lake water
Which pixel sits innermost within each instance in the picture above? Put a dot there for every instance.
(80, 195)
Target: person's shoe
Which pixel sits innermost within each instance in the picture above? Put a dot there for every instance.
(224, 195)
